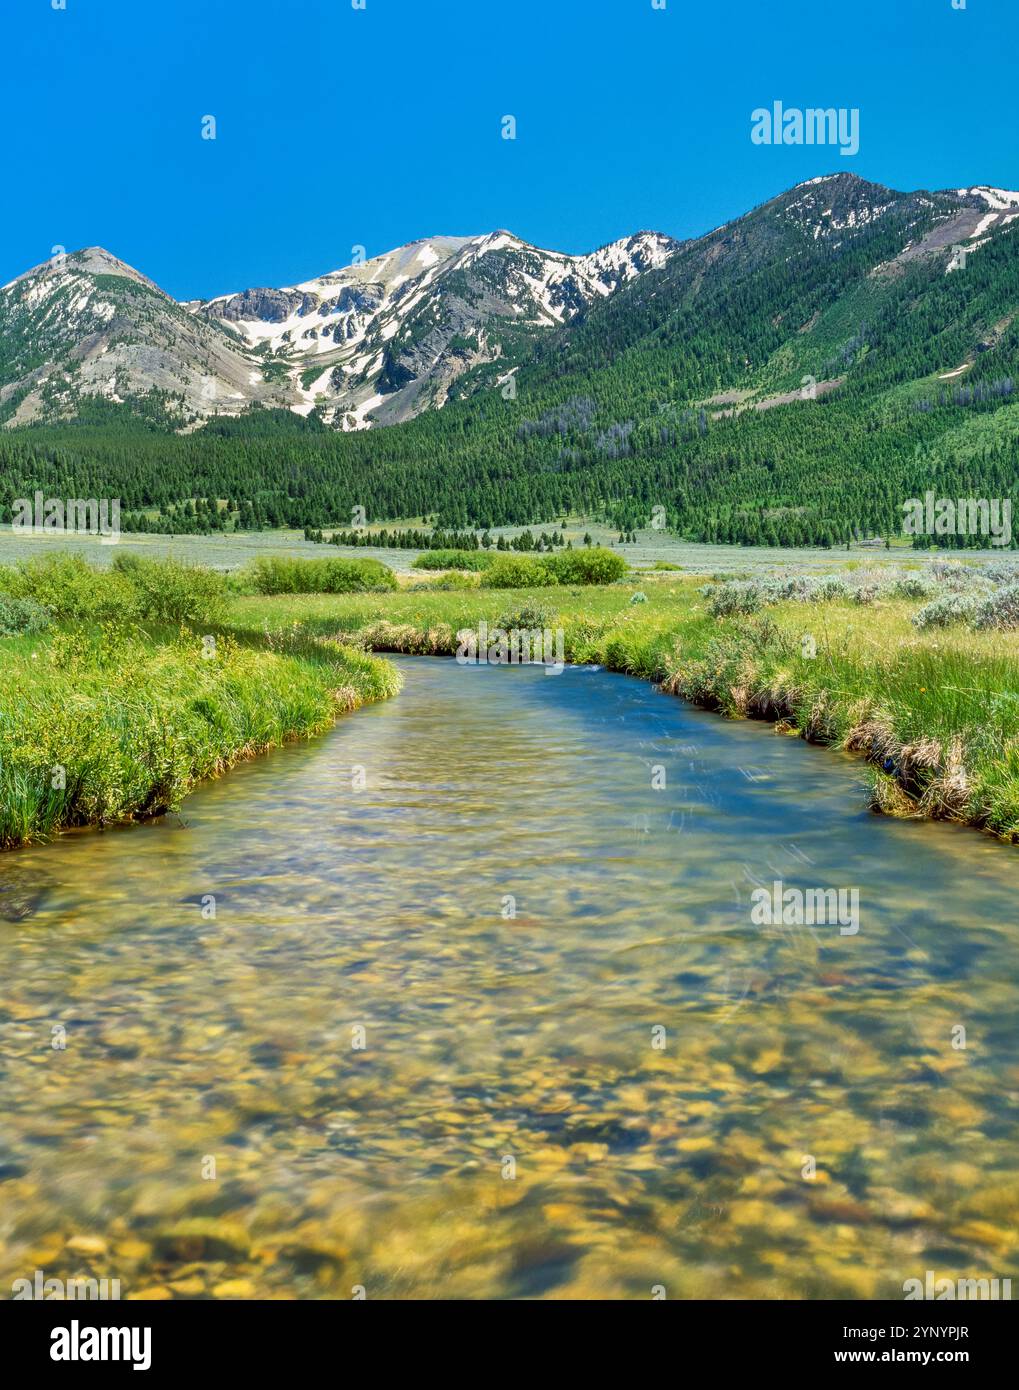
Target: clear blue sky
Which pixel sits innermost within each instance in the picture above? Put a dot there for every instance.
(338, 127)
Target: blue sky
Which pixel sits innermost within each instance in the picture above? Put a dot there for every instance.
(339, 127)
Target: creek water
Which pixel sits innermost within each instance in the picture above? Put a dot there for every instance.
(468, 998)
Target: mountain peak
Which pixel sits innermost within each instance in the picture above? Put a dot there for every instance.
(382, 338)
(96, 260)
(89, 260)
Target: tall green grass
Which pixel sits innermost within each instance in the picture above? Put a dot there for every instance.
(453, 560)
(133, 589)
(510, 570)
(116, 723)
(282, 575)
(119, 692)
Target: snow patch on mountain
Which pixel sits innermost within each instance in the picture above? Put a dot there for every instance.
(810, 213)
(420, 315)
(997, 198)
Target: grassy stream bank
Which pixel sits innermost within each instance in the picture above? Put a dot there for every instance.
(935, 710)
(123, 688)
(111, 712)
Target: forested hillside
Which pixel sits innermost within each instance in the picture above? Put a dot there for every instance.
(791, 378)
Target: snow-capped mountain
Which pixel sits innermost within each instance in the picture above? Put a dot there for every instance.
(380, 339)
(374, 342)
(837, 206)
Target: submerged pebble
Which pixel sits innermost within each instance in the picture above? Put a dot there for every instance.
(413, 1051)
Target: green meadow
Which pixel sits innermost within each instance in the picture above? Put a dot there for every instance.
(124, 687)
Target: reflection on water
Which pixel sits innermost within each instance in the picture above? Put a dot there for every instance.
(627, 1084)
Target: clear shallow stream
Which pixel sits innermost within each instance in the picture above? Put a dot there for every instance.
(513, 1125)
